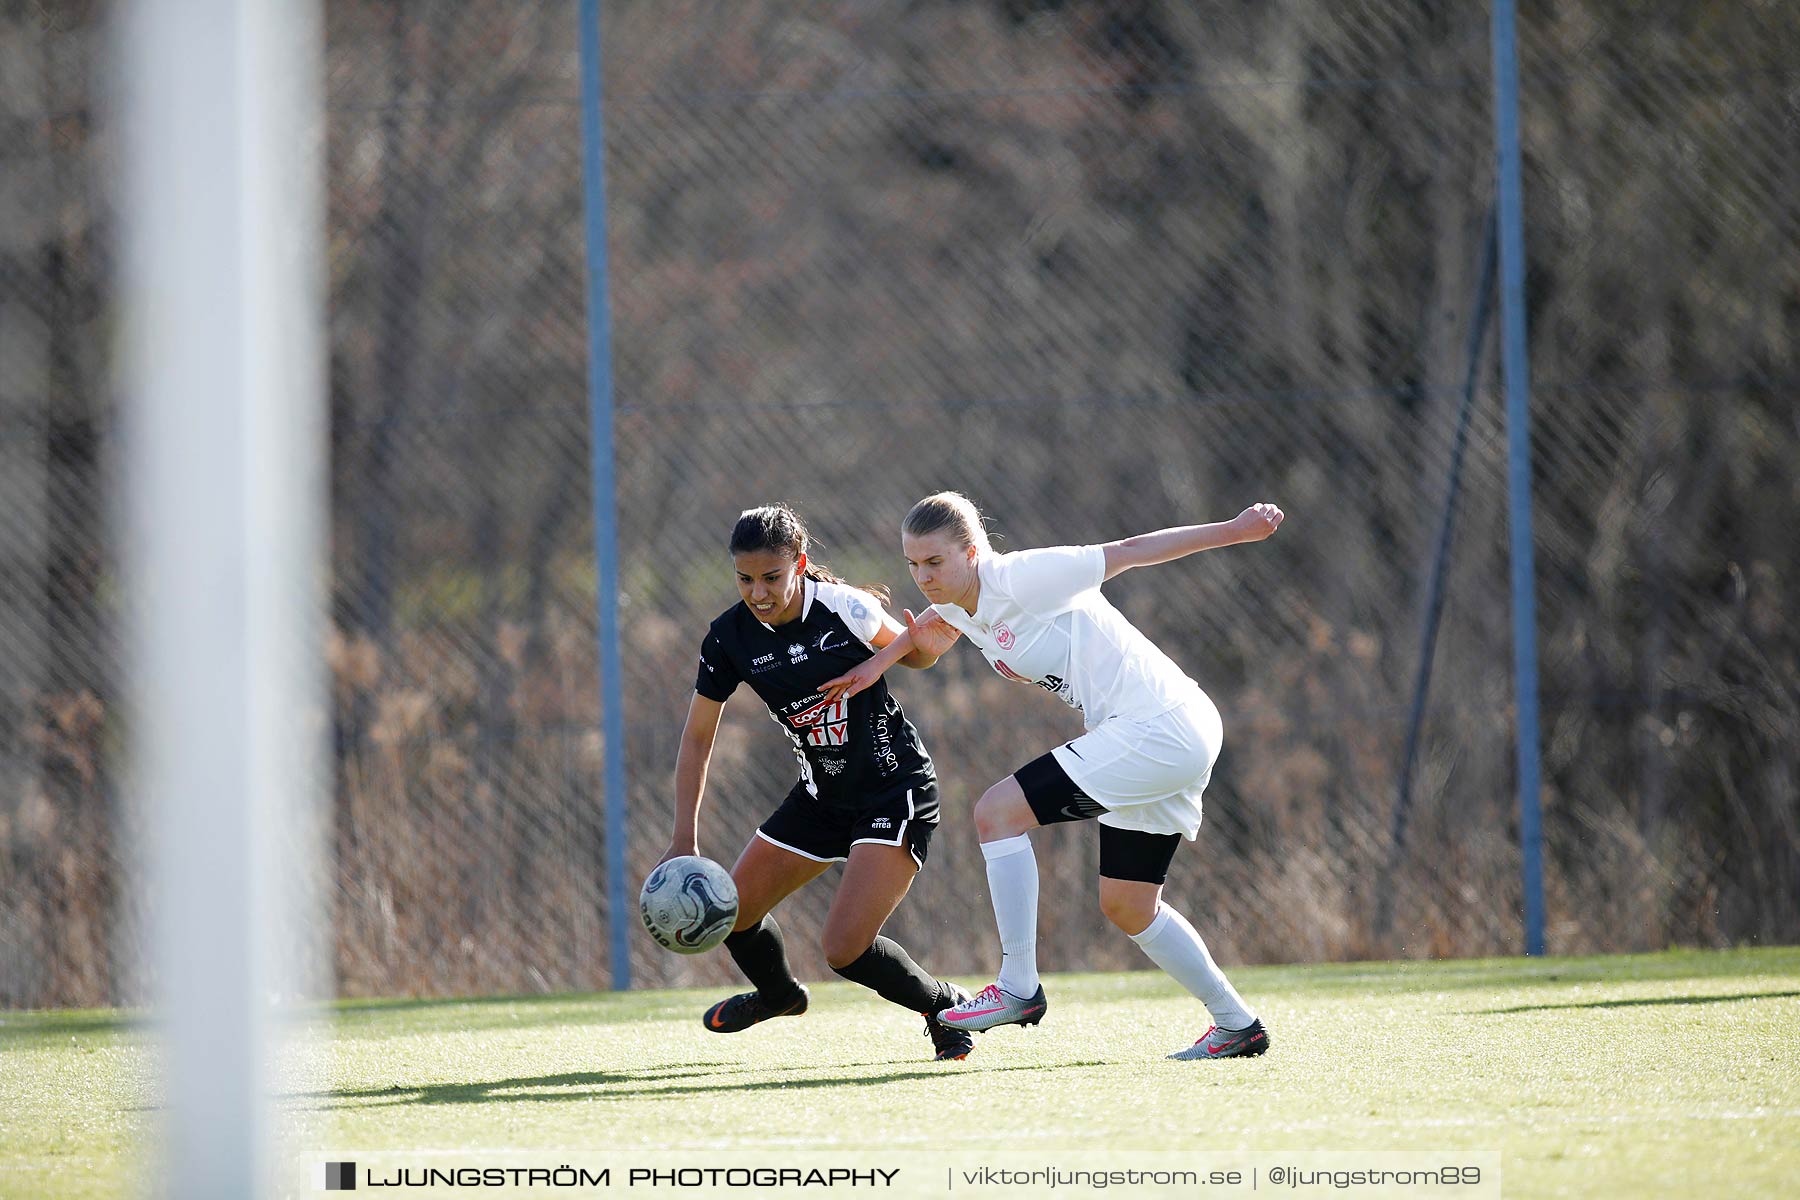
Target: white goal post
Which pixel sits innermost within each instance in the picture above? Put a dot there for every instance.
(221, 392)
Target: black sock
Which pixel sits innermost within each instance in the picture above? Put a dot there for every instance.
(762, 956)
(886, 969)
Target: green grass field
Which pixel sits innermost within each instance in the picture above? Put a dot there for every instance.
(1670, 1074)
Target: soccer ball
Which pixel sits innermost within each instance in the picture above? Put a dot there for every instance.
(689, 904)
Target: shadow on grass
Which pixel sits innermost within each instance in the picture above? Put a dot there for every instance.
(1654, 1001)
(1411, 975)
(374, 1017)
(23, 1026)
(662, 1081)
(381, 1004)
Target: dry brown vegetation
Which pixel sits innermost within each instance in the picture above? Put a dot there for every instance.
(1106, 267)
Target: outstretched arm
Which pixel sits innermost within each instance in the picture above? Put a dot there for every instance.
(910, 655)
(925, 639)
(691, 761)
(1252, 525)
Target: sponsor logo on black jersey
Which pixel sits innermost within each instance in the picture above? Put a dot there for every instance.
(885, 758)
(825, 724)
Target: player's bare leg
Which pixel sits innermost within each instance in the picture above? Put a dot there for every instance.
(765, 875)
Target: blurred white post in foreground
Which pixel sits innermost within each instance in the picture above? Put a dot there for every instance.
(221, 387)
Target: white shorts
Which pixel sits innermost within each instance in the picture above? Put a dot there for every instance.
(1148, 774)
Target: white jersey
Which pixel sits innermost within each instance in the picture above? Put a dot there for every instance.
(1042, 620)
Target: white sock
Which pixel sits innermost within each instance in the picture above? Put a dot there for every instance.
(1173, 945)
(1013, 883)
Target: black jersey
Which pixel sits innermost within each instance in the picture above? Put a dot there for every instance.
(848, 750)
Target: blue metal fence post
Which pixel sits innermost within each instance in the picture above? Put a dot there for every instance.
(1515, 362)
(605, 497)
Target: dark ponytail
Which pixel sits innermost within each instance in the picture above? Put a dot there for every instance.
(779, 528)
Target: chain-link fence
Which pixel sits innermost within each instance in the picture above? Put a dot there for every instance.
(62, 887)
(1106, 267)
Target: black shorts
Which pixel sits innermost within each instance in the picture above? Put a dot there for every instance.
(1124, 853)
(905, 816)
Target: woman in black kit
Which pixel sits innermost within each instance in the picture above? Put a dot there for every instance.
(867, 795)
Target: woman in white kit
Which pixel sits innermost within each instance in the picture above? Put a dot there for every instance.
(1152, 737)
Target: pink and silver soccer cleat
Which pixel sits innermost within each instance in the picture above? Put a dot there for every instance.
(1247, 1042)
(992, 1006)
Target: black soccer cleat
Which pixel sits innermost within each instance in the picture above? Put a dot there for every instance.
(951, 1044)
(745, 1009)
